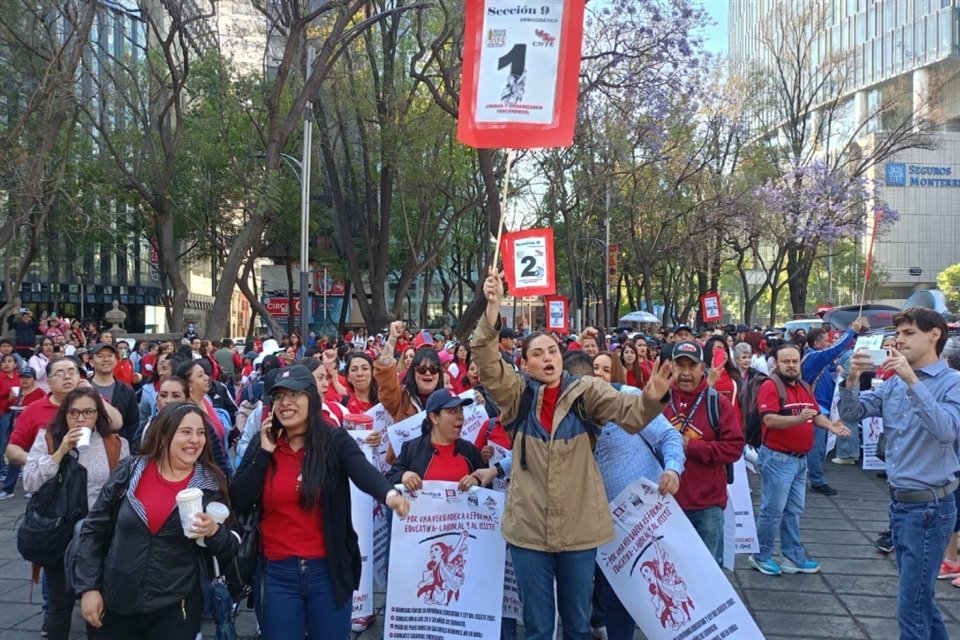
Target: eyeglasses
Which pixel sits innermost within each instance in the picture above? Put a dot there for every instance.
(86, 413)
(427, 370)
(64, 373)
(290, 394)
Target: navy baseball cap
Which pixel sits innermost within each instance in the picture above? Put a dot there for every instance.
(28, 372)
(445, 399)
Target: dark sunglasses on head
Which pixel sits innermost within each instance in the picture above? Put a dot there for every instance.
(425, 370)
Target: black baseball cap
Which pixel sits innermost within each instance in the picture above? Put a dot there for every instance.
(682, 327)
(296, 377)
(507, 332)
(28, 372)
(101, 346)
(688, 349)
(445, 399)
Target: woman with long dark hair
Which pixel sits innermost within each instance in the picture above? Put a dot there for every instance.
(723, 374)
(80, 411)
(361, 392)
(197, 375)
(296, 477)
(138, 571)
(406, 397)
(39, 360)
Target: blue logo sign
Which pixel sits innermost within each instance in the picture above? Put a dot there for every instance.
(896, 174)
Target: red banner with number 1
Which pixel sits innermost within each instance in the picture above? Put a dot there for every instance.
(521, 69)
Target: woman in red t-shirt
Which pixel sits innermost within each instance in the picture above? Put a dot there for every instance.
(361, 392)
(440, 453)
(295, 477)
(134, 538)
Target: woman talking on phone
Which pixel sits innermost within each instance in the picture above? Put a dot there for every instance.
(297, 478)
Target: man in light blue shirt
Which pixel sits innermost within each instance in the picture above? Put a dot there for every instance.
(920, 407)
(622, 458)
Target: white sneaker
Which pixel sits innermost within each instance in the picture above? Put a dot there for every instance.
(6, 494)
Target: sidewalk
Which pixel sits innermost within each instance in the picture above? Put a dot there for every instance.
(854, 598)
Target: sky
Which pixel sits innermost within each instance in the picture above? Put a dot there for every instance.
(716, 36)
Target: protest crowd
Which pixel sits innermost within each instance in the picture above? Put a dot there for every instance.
(265, 457)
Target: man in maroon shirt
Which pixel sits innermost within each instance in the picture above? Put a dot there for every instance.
(703, 492)
(787, 438)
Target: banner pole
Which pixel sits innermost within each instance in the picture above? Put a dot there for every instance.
(503, 206)
(868, 270)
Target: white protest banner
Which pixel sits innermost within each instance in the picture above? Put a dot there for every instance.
(361, 511)
(519, 73)
(381, 420)
(664, 575)
(381, 531)
(474, 417)
(740, 506)
(871, 429)
(444, 583)
(512, 605)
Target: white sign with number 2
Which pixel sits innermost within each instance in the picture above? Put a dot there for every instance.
(530, 262)
(519, 60)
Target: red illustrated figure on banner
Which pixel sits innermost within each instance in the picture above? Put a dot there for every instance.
(667, 589)
(521, 67)
(710, 307)
(440, 583)
(528, 262)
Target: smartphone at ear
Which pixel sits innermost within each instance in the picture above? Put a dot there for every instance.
(275, 426)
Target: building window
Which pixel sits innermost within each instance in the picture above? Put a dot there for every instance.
(897, 50)
(861, 28)
(931, 37)
(908, 45)
(946, 32)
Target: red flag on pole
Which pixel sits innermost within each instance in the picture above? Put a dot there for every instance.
(521, 70)
(873, 238)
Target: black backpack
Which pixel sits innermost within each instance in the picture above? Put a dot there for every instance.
(53, 511)
(752, 424)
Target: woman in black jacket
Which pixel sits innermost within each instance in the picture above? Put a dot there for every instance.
(297, 476)
(138, 572)
(440, 453)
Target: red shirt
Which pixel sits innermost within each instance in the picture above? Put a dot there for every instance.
(123, 371)
(796, 439)
(159, 496)
(356, 405)
(550, 397)
(446, 465)
(286, 529)
(35, 417)
(33, 396)
(147, 366)
(7, 383)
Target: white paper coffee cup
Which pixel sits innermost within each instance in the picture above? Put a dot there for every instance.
(189, 504)
(84, 440)
(219, 513)
(15, 391)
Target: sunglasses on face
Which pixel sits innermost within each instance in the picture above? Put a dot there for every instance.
(427, 370)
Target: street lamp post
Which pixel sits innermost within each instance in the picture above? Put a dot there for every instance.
(607, 302)
(305, 210)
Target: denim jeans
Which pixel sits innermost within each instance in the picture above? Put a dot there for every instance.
(783, 485)
(572, 572)
(620, 624)
(815, 457)
(508, 629)
(921, 531)
(13, 473)
(298, 599)
(849, 446)
(709, 525)
(6, 426)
